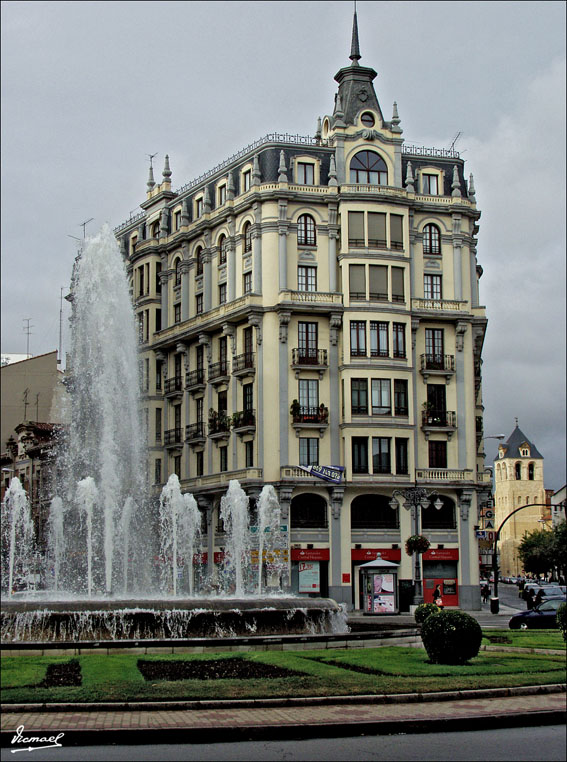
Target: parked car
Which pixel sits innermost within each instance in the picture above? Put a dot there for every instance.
(549, 591)
(543, 617)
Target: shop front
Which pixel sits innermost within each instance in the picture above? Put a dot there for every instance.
(440, 569)
(360, 559)
(310, 572)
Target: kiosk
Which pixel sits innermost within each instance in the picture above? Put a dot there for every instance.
(379, 585)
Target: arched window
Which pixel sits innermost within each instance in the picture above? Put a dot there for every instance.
(531, 471)
(247, 233)
(443, 518)
(431, 240)
(177, 267)
(368, 168)
(306, 230)
(308, 512)
(518, 470)
(222, 250)
(199, 258)
(373, 512)
(154, 230)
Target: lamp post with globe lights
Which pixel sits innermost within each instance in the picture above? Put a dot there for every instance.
(415, 499)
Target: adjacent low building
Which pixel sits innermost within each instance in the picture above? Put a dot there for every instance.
(310, 302)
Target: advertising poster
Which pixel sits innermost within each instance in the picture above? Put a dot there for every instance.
(309, 577)
(383, 583)
(384, 604)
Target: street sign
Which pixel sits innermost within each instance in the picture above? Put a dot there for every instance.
(488, 514)
(489, 525)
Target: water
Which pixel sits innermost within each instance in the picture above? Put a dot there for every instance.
(180, 538)
(18, 538)
(236, 519)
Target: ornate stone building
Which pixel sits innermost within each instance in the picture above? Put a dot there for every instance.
(314, 301)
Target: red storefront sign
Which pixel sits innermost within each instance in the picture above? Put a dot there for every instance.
(371, 554)
(313, 554)
(441, 554)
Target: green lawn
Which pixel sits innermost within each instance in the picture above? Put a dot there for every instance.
(324, 672)
(524, 638)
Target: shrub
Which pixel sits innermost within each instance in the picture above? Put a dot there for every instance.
(562, 620)
(451, 637)
(424, 610)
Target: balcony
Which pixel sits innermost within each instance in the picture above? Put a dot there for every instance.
(219, 425)
(219, 373)
(437, 365)
(173, 438)
(244, 365)
(444, 421)
(307, 358)
(444, 475)
(195, 381)
(309, 417)
(195, 434)
(173, 387)
(244, 422)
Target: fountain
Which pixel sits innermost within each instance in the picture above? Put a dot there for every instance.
(118, 566)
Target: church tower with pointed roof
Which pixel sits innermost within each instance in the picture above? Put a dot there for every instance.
(518, 480)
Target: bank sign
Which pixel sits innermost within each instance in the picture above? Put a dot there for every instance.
(328, 473)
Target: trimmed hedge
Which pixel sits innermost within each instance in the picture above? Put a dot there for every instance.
(451, 637)
(562, 619)
(424, 610)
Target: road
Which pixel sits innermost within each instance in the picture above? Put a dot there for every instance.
(518, 744)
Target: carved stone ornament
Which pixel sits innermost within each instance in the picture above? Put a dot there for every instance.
(461, 329)
(284, 318)
(337, 495)
(334, 326)
(256, 322)
(465, 500)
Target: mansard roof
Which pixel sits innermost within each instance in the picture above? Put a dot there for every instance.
(516, 439)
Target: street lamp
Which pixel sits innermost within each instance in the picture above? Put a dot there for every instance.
(414, 499)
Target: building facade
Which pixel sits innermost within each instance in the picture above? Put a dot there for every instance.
(314, 301)
(518, 481)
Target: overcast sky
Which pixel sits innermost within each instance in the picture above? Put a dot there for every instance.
(90, 88)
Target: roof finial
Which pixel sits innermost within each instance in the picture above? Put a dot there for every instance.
(354, 47)
(516, 422)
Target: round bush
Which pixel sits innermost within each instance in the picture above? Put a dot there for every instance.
(451, 637)
(562, 620)
(424, 610)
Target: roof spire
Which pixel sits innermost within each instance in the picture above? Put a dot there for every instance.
(354, 46)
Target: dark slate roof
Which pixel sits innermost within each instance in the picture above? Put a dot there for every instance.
(515, 440)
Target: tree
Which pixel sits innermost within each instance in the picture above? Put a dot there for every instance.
(543, 551)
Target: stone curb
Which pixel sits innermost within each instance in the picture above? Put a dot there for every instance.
(382, 698)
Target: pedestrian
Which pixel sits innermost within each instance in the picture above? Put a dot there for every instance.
(521, 586)
(530, 598)
(437, 597)
(538, 598)
(485, 593)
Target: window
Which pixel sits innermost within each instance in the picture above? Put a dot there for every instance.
(133, 242)
(248, 397)
(308, 396)
(249, 453)
(158, 319)
(381, 401)
(531, 471)
(176, 313)
(378, 278)
(177, 418)
(141, 289)
(308, 511)
(437, 454)
(305, 173)
(367, 119)
(199, 258)
(400, 396)
(177, 267)
(247, 283)
(223, 354)
(358, 338)
(222, 195)
(199, 207)
(359, 455)
(200, 463)
(398, 284)
(159, 374)
(368, 168)
(248, 343)
(396, 232)
(399, 339)
(377, 230)
(199, 304)
(308, 342)
(402, 456)
(359, 396)
(177, 466)
(432, 286)
(431, 240)
(379, 339)
(429, 185)
(306, 278)
(222, 293)
(158, 278)
(223, 458)
(518, 471)
(381, 455)
(356, 229)
(308, 451)
(157, 471)
(373, 512)
(199, 409)
(222, 250)
(177, 219)
(306, 230)
(246, 180)
(434, 349)
(247, 235)
(357, 282)
(439, 518)
(158, 424)
(154, 229)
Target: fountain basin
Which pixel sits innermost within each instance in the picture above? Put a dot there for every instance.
(151, 619)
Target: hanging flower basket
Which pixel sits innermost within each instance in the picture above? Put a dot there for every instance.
(417, 543)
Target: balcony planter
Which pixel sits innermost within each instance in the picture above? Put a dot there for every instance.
(417, 543)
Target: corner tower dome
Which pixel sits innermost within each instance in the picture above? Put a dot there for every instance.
(356, 91)
(518, 446)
